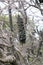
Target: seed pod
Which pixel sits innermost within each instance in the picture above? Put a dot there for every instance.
(21, 31)
(41, 1)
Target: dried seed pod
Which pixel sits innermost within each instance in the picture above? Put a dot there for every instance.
(22, 32)
(41, 1)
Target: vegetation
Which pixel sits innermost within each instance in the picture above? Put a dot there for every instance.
(19, 44)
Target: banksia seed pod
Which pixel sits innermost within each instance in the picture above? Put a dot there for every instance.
(21, 31)
(41, 1)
